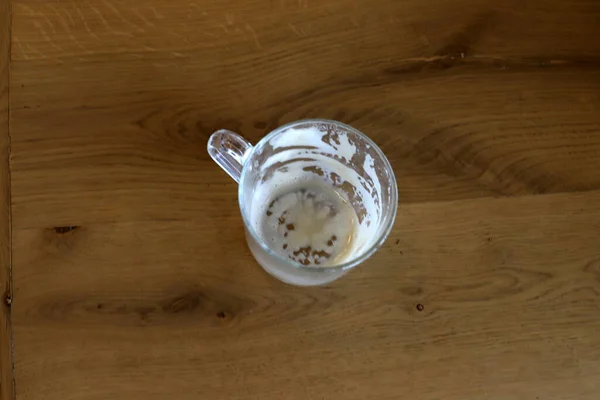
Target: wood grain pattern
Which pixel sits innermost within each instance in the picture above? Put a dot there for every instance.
(509, 288)
(131, 277)
(6, 367)
(177, 73)
(448, 144)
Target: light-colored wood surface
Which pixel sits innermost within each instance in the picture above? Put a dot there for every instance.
(131, 277)
(6, 371)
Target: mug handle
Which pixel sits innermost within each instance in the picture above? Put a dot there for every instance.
(229, 150)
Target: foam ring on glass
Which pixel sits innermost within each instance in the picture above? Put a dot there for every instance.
(317, 197)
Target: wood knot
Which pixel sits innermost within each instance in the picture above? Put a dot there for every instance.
(260, 125)
(61, 230)
(454, 51)
(186, 302)
(7, 299)
(144, 312)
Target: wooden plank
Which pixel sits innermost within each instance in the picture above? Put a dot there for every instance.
(6, 366)
(131, 173)
(530, 131)
(483, 298)
(132, 279)
(333, 32)
(468, 99)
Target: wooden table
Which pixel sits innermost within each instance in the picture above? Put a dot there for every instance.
(130, 275)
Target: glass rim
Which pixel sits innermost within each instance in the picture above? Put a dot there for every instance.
(352, 262)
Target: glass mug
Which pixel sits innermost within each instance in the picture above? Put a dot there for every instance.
(317, 197)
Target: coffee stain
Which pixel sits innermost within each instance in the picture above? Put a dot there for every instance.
(331, 135)
(303, 255)
(331, 241)
(355, 199)
(269, 172)
(314, 169)
(335, 178)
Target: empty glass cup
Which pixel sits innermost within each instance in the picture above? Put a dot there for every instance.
(317, 197)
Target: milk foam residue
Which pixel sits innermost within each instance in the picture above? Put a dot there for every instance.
(317, 203)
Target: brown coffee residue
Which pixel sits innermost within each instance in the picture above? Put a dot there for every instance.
(302, 250)
(332, 240)
(314, 169)
(285, 224)
(320, 254)
(335, 178)
(331, 136)
(354, 196)
(355, 199)
(269, 172)
(304, 254)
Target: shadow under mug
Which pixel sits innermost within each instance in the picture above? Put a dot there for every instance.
(321, 152)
